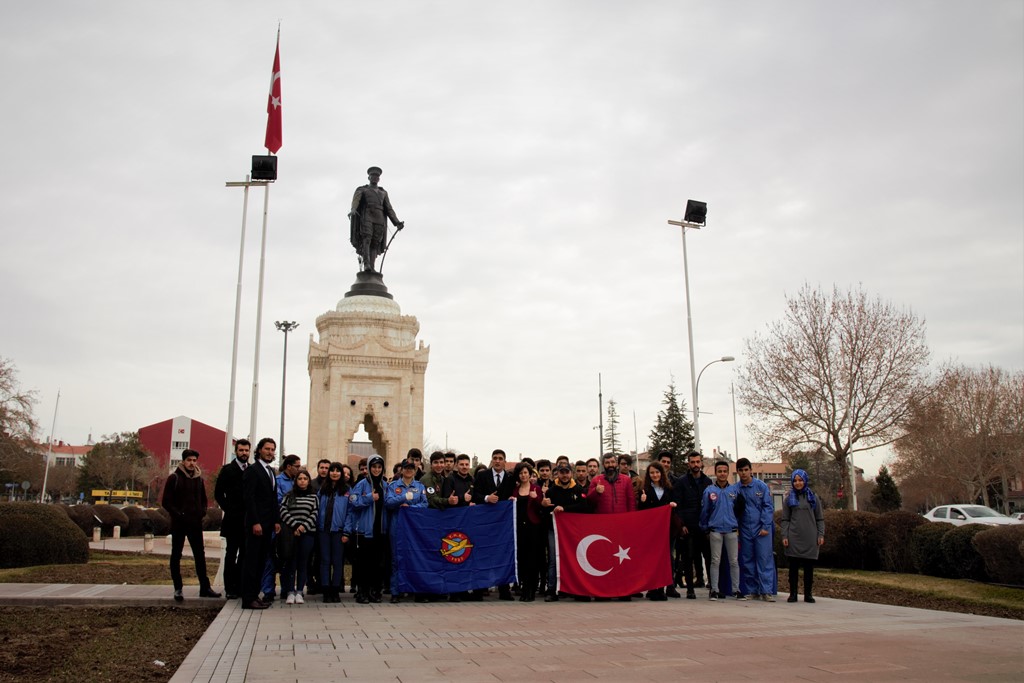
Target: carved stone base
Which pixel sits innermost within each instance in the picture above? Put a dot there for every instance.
(367, 368)
(369, 283)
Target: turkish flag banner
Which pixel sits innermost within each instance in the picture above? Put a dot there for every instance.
(613, 555)
(273, 139)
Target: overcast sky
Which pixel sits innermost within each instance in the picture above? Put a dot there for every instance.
(535, 151)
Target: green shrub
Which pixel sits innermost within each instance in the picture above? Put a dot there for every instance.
(893, 531)
(1000, 549)
(160, 520)
(926, 548)
(33, 534)
(83, 516)
(850, 541)
(213, 519)
(138, 521)
(961, 556)
(110, 517)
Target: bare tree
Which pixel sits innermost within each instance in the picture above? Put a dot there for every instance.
(966, 435)
(837, 372)
(17, 426)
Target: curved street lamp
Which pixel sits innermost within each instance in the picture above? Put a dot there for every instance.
(696, 395)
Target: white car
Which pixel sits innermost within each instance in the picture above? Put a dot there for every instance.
(958, 515)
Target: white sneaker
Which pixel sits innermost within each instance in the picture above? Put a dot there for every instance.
(299, 600)
(290, 600)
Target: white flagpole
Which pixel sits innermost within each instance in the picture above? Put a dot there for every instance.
(229, 432)
(49, 449)
(259, 319)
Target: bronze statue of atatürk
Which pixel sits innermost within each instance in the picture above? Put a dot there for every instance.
(371, 210)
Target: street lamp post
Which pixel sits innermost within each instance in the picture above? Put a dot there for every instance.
(286, 327)
(696, 406)
(694, 217)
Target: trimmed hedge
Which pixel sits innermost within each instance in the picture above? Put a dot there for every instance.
(161, 521)
(1000, 548)
(850, 540)
(110, 517)
(962, 557)
(926, 547)
(892, 533)
(83, 516)
(213, 519)
(138, 520)
(34, 533)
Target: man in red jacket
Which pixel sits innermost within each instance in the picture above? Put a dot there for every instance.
(185, 500)
(611, 491)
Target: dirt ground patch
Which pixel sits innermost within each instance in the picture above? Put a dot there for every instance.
(97, 643)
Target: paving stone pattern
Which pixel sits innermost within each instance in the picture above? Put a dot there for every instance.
(833, 640)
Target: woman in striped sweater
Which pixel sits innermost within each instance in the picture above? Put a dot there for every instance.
(298, 525)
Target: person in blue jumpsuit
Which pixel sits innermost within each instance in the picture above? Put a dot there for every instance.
(403, 492)
(757, 563)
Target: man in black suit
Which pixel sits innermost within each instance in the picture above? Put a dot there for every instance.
(261, 519)
(491, 486)
(229, 495)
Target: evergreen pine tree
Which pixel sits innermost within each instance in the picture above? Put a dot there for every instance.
(886, 496)
(611, 429)
(672, 431)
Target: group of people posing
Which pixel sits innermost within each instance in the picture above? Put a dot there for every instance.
(293, 530)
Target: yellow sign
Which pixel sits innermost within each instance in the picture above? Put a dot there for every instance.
(106, 493)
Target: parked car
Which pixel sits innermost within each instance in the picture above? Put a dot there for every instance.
(1018, 515)
(958, 515)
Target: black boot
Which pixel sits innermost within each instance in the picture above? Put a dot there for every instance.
(808, 583)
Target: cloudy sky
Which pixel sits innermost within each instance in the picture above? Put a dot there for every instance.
(535, 151)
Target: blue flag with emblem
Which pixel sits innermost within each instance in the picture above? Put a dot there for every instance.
(454, 550)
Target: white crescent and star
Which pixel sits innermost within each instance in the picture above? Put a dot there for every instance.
(274, 101)
(584, 546)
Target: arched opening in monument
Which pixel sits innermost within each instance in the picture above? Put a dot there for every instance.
(369, 430)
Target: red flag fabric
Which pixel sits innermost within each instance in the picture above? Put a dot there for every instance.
(273, 140)
(613, 555)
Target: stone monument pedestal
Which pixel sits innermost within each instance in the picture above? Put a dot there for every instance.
(366, 369)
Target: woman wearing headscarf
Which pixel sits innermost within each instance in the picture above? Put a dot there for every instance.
(369, 524)
(333, 512)
(803, 532)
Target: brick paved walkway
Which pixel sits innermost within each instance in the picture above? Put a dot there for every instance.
(833, 640)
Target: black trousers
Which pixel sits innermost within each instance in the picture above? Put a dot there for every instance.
(234, 557)
(528, 556)
(794, 580)
(368, 567)
(693, 551)
(257, 552)
(194, 534)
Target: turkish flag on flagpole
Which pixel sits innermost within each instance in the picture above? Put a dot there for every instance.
(613, 555)
(273, 141)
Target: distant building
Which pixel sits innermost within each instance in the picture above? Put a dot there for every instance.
(166, 440)
(64, 454)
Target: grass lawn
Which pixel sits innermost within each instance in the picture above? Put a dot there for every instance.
(915, 590)
(111, 568)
